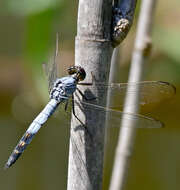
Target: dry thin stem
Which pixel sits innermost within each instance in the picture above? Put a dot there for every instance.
(127, 135)
(93, 52)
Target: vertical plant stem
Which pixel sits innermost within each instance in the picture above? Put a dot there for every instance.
(123, 14)
(113, 69)
(114, 63)
(93, 52)
(127, 134)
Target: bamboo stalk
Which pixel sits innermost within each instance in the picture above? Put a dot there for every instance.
(127, 135)
(93, 52)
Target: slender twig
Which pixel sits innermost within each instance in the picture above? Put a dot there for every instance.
(127, 135)
(93, 52)
(123, 14)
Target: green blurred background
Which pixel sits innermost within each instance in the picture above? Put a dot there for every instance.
(27, 33)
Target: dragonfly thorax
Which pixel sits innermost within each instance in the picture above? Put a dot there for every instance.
(63, 88)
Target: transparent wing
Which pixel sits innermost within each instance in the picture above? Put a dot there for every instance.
(149, 92)
(115, 117)
(50, 68)
(94, 112)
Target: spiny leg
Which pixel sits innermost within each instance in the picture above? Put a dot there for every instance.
(84, 96)
(88, 83)
(73, 110)
(66, 105)
(85, 127)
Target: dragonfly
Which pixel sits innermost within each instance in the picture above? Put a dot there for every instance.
(62, 92)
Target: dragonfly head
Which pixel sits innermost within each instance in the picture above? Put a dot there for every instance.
(78, 72)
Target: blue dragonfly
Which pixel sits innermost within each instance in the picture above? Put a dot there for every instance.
(62, 92)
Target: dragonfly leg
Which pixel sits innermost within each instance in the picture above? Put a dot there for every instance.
(73, 110)
(66, 105)
(85, 127)
(88, 83)
(84, 96)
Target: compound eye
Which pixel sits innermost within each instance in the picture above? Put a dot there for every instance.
(72, 70)
(82, 74)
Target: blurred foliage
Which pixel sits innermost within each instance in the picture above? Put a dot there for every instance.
(26, 8)
(169, 43)
(27, 38)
